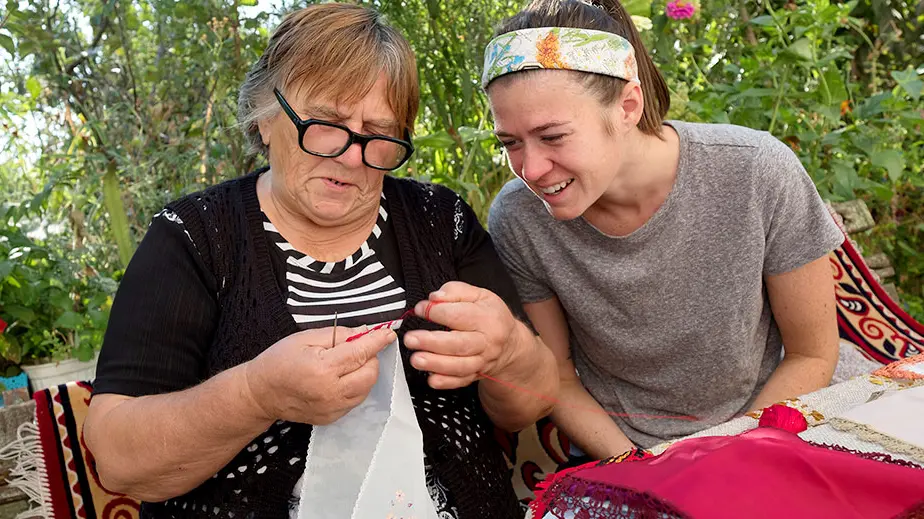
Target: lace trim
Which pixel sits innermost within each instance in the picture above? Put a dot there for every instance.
(875, 456)
(594, 500)
(915, 512)
(867, 433)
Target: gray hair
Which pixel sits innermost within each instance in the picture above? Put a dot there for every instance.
(348, 47)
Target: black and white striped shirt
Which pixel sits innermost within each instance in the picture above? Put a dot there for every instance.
(358, 289)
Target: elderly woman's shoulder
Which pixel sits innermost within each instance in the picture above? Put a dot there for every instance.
(419, 191)
(225, 191)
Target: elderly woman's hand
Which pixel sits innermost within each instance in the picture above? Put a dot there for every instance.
(302, 378)
(481, 337)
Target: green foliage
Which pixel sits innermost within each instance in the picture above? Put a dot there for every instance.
(841, 90)
(110, 109)
(54, 308)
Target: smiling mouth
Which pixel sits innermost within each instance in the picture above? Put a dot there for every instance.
(555, 189)
(337, 182)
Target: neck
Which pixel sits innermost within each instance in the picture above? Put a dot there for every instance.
(321, 242)
(644, 179)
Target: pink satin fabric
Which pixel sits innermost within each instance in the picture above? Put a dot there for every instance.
(766, 473)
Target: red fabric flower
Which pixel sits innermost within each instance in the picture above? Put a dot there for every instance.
(783, 417)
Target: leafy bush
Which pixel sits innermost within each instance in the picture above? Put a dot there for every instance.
(54, 308)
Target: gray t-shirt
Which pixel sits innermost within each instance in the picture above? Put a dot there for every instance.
(674, 318)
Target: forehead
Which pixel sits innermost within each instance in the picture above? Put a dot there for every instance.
(370, 105)
(536, 97)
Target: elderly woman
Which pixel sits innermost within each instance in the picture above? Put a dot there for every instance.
(220, 355)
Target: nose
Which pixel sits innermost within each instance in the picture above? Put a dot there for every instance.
(352, 157)
(533, 165)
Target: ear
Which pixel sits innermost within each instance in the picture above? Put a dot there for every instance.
(265, 126)
(629, 107)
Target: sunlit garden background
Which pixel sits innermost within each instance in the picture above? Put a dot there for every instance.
(111, 108)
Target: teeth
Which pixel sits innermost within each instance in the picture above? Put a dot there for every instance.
(551, 190)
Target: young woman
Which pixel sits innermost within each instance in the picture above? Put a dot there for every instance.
(675, 269)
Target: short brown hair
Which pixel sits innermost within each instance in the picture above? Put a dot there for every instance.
(330, 50)
(609, 16)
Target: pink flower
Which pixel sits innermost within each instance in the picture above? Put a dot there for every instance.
(679, 9)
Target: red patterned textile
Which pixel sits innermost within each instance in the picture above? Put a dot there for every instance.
(74, 490)
(866, 315)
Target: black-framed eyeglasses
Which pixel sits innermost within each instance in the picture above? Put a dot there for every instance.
(326, 139)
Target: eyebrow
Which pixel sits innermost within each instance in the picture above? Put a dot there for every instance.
(331, 114)
(537, 129)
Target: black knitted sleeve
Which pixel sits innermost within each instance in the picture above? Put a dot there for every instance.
(162, 319)
(477, 261)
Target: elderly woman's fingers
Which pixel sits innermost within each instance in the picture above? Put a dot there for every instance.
(355, 386)
(447, 364)
(437, 381)
(463, 316)
(457, 291)
(347, 357)
(456, 343)
(325, 337)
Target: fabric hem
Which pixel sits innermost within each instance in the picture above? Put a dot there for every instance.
(28, 474)
(867, 433)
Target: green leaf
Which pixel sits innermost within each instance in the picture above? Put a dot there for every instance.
(7, 43)
(118, 221)
(248, 2)
(799, 50)
(469, 134)
(881, 191)
(892, 160)
(764, 20)
(60, 299)
(5, 268)
(69, 320)
(638, 7)
(440, 140)
(872, 105)
(99, 319)
(909, 81)
(34, 87)
(863, 142)
(20, 312)
(845, 178)
(836, 88)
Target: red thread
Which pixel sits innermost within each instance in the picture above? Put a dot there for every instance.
(528, 391)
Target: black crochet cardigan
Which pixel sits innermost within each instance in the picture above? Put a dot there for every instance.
(225, 224)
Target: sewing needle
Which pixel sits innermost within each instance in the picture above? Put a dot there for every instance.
(334, 340)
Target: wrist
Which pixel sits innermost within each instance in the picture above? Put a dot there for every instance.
(252, 391)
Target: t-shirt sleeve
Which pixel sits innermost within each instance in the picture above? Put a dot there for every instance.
(514, 249)
(799, 229)
(163, 317)
(477, 262)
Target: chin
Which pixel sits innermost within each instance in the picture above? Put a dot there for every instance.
(563, 213)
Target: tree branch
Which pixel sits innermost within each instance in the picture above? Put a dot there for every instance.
(5, 18)
(97, 37)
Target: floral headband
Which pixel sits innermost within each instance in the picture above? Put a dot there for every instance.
(565, 48)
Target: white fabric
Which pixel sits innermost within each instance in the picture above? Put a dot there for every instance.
(370, 462)
(895, 421)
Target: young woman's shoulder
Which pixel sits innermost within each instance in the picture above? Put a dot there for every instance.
(714, 134)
